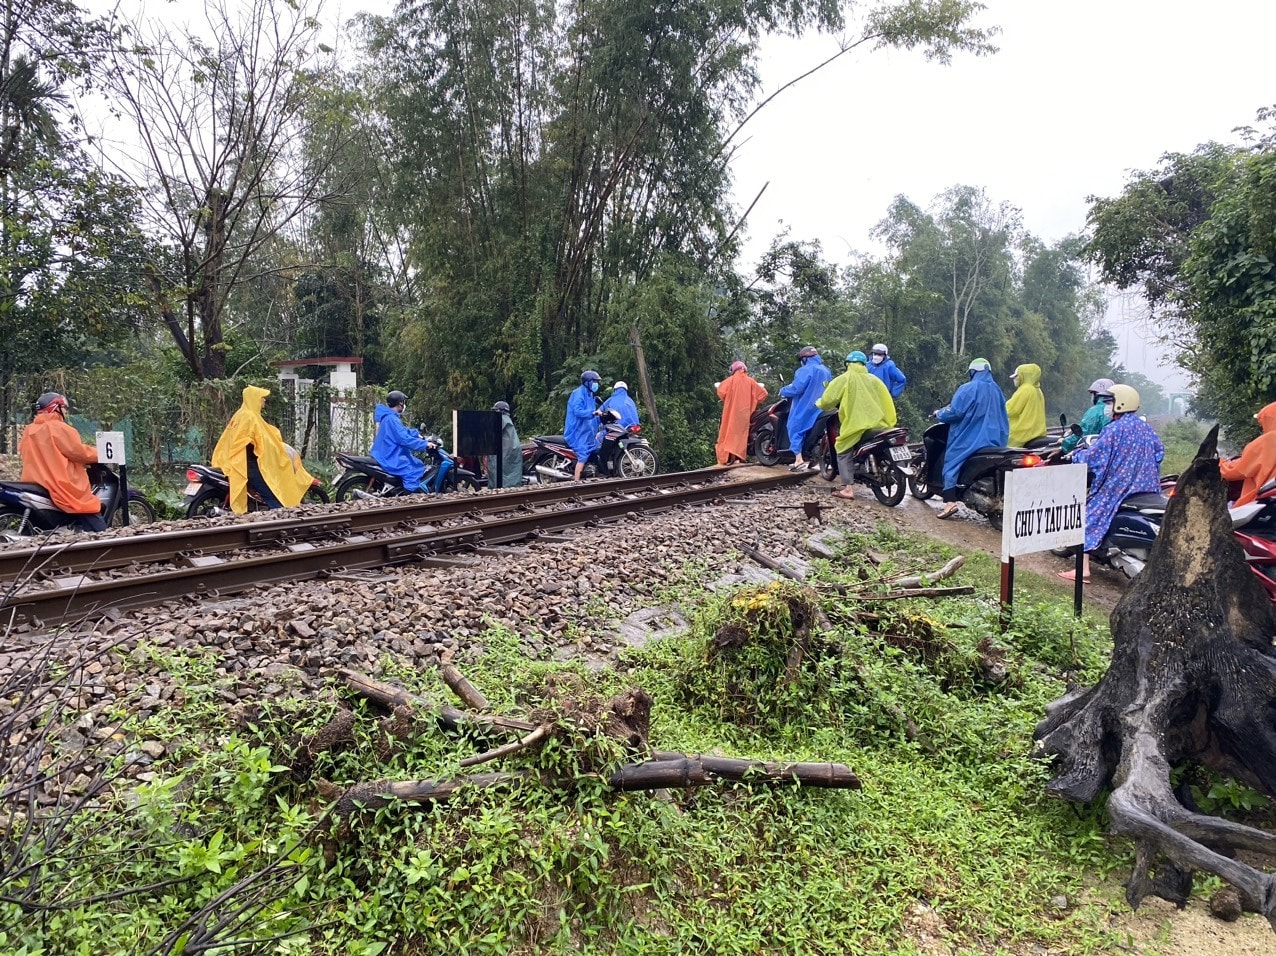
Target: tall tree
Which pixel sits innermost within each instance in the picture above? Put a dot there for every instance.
(67, 234)
(1197, 237)
(220, 114)
(551, 158)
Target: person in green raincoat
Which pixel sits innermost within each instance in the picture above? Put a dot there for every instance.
(863, 404)
(1026, 408)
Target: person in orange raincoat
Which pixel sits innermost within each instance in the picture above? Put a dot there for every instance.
(740, 394)
(1257, 464)
(252, 453)
(54, 458)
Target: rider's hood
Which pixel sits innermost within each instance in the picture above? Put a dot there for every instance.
(382, 411)
(1267, 417)
(1028, 375)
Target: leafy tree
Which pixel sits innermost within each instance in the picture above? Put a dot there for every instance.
(551, 162)
(67, 235)
(221, 173)
(1198, 237)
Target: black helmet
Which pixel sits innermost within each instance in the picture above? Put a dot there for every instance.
(502, 407)
(589, 375)
(51, 400)
(808, 352)
(396, 398)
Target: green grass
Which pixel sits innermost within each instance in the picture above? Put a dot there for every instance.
(952, 821)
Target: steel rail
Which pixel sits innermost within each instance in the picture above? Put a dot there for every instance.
(47, 560)
(214, 577)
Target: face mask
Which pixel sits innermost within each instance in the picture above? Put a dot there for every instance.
(879, 359)
(593, 386)
(1107, 410)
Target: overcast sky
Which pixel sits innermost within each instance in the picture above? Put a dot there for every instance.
(1079, 93)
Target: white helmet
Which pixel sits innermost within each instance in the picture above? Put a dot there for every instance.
(620, 385)
(881, 349)
(1127, 399)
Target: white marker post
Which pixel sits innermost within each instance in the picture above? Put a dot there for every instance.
(1044, 509)
(110, 451)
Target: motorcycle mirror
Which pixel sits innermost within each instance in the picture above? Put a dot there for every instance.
(1075, 429)
(1063, 419)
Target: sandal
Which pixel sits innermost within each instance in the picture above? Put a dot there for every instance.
(947, 511)
(797, 468)
(845, 494)
(1072, 576)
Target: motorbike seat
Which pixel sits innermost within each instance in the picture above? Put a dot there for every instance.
(552, 439)
(1045, 441)
(27, 487)
(1244, 514)
(1145, 501)
(366, 461)
(991, 450)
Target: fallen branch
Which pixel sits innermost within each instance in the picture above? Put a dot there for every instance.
(665, 770)
(771, 563)
(535, 737)
(921, 580)
(470, 695)
(868, 596)
(393, 697)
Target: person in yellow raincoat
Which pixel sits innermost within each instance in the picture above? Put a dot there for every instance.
(1026, 408)
(252, 453)
(863, 404)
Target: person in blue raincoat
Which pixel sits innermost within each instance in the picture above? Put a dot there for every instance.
(580, 428)
(1125, 460)
(977, 419)
(622, 403)
(884, 367)
(807, 386)
(395, 442)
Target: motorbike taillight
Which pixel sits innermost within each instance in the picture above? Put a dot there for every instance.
(1030, 461)
(192, 474)
(635, 429)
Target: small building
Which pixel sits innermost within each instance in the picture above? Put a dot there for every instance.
(342, 429)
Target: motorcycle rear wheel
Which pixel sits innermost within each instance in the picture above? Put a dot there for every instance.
(765, 447)
(139, 512)
(826, 456)
(348, 486)
(994, 519)
(637, 461)
(315, 495)
(207, 503)
(890, 488)
(13, 522)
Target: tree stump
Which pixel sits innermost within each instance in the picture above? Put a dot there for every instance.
(1192, 679)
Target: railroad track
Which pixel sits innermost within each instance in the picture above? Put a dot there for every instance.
(198, 540)
(201, 562)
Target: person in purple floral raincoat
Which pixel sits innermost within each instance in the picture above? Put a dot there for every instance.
(1125, 460)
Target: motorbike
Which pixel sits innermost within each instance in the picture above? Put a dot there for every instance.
(880, 458)
(768, 432)
(981, 485)
(624, 453)
(1254, 526)
(365, 478)
(208, 493)
(1129, 539)
(26, 508)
